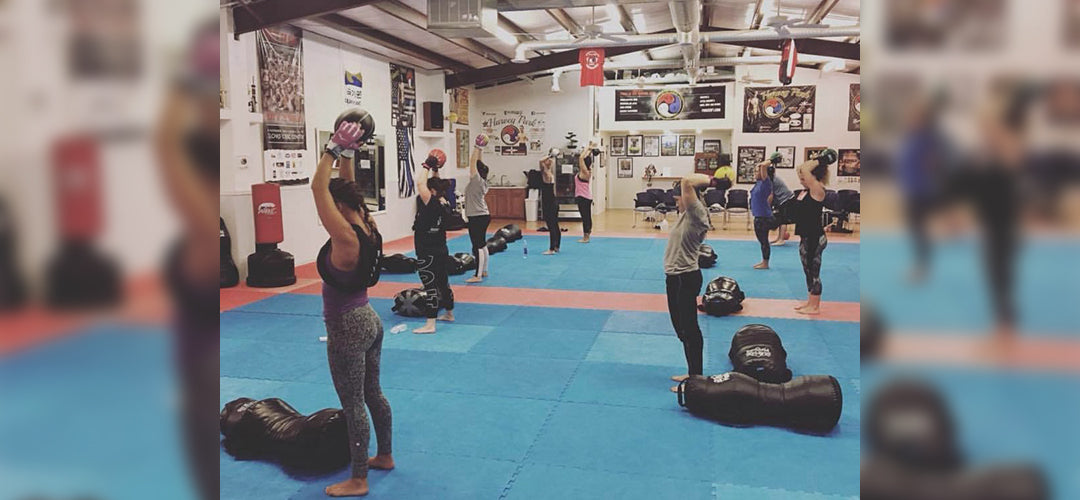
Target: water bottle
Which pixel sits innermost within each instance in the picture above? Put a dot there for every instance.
(398, 328)
(525, 246)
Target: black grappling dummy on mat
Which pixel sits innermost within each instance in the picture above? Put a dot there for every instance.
(270, 429)
(810, 403)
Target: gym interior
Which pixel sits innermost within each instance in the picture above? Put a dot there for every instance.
(554, 378)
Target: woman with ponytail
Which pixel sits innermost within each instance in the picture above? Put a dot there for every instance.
(349, 264)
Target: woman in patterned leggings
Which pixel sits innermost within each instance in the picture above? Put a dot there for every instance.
(813, 175)
(354, 330)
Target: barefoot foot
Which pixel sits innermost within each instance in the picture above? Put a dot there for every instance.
(474, 279)
(381, 462)
(761, 265)
(679, 378)
(808, 310)
(448, 317)
(354, 487)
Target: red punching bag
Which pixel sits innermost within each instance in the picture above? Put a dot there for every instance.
(80, 276)
(266, 203)
(788, 61)
(268, 266)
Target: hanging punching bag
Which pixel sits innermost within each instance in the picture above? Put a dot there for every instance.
(269, 267)
(788, 61)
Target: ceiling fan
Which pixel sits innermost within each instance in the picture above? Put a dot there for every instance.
(593, 31)
(781, 23)
(746, 79)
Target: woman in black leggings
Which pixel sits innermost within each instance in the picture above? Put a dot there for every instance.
(476, 209)
(429, 238)
(813, 175)
(548, 203)
(583, 191)
(684, 274)
(761, 209)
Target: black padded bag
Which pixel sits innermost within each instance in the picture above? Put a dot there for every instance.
(411, 303)
(270, 429)
(722, 297)
(810, 403)
(706, 256)
(756, 351)
(397, 264)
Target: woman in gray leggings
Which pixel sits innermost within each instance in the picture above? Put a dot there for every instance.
(354, 330)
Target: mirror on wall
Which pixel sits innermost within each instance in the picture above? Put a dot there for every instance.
(371, 173)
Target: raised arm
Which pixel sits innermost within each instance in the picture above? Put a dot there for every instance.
(583, 169)
(421, 186)
(474, 157)
(346, 168)
(332, 220)
(197, 206)
(814, 186)
(691, 183)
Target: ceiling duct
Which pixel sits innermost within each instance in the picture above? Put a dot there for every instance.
(463, 18)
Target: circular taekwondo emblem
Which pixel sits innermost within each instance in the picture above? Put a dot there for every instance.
(592, 59)
(668, 104)
(510, 135)
(773, 107)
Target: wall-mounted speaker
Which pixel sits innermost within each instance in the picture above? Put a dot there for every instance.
(433, 117)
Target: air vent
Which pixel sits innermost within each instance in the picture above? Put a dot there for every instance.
(463, 18)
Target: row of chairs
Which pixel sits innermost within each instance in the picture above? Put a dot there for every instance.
(842, 205)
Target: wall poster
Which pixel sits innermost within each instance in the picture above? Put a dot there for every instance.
(459, 105)
(281, 82)
(633, 145)
(354, 85)
(669, 145)
(402, 96)
(618, 145)
(779, 109)
(651, 145)
(461, 137)
(626, 168)
(687, 145)
(848, 163)
(749, 157)
(684, 103)
(515, 132)
(788, 154)
(854, 108)
(812, 152)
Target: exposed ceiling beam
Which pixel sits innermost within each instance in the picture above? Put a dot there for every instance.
(812, 46)
(627, 24)
(517, 31)
(365, 32)
(568, 23)
(249, 17)
(419, 20)
(535, 65)
(821, 11)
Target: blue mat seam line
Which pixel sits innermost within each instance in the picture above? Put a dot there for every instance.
(539, 434)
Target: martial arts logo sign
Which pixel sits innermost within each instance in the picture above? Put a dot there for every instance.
(759, 352)
(774, 107)
(592, 60)
(669, 104)
(510, 135)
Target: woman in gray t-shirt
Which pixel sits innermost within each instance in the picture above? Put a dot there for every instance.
(476, 210)
(683, 274)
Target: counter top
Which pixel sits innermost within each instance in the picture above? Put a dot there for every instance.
(506, 187)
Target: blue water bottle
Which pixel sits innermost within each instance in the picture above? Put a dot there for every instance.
(525, 245)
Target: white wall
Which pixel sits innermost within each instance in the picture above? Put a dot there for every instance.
(324, 63)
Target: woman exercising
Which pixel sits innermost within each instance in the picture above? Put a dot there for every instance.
(548, 203)
(429, 238)
(582, 191)
(781, 202)
(761, 209)
(683, 273)
(354, 330)
(476, 210)
(813, 175)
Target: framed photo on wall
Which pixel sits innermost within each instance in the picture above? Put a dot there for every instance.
(651, 145)
(633, 145)
(788, 152)
(626, 168)
(669, 145)
(812, 152)
(686, 145)
(749, 157)
(462, 137)
(710, 146)
(848, 163)
(618, 145)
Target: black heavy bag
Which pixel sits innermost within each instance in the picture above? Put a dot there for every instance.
(706, 256)
(398, 264)
(756, 351)
(411, 303)
(272, 430)
(810, 403)
(882, 479)
(460, 263)
(509, 232)
(722, 297)
(871, 332)
(230, 275)
(907, 421)
(496, 244)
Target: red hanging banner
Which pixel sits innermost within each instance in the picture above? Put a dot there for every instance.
(592, 66)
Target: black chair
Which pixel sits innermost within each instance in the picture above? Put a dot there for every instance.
(715, 201)
(850, 203)
(831, 208)
(644, 204)
(738, 202)
(667, 204)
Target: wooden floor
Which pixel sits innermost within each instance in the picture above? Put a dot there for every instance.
(621, 222)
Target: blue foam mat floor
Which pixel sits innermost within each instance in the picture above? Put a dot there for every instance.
(636, 265)
(497, 403)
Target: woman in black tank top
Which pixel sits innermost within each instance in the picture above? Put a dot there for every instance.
(432, 255)
(813, 175)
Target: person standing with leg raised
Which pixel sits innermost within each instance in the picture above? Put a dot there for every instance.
(429, 238)
(548, 203)
(476, 209)
(683, 273)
